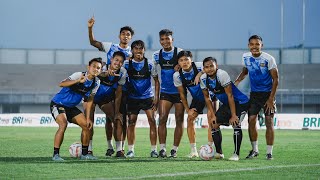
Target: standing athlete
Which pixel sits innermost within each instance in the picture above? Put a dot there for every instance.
(141, 96)
(263, 74)
(109, 48)
(183, 80)
(169, 95)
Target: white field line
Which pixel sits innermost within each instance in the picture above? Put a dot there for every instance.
(213, 171)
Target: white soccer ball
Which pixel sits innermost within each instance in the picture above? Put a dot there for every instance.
(75, 149)
(206, 152)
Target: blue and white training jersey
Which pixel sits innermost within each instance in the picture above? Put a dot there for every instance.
(168, 62)
(139, 73)
(218, 84)
(71, 96)
(259, 71)
(195, 90)
(109, 84)
(109, 48)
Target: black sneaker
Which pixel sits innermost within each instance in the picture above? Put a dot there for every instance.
(269, 157)
(252, 154)
(173, 153)
(120, 154)
(109, 152)
(162, 153)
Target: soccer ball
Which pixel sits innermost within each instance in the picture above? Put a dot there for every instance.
(75, 149)
(206, 152)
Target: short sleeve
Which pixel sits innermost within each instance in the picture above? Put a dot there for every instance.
(106, 46)
(95, 89)
(203, 81)
(122, 80)
(272, 63)
(223, 78)
(75, 76)
(176, 79)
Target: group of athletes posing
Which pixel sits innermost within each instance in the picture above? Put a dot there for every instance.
(122, 87)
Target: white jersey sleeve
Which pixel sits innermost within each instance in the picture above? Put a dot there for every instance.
(176, 79)
(95, 89)
(75, 76)
(154, 72)
(122, 80)
(106, 46)
(223, 77)
(272, 63)
(202, 81)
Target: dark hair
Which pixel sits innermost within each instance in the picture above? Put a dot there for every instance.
(119, 53)
(184, 53)
(137, 43)
(127, 28)
(255, 37)
(166, 32)
(209, 59)
(99, 60)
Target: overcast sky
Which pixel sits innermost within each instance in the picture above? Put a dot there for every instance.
(197, 24)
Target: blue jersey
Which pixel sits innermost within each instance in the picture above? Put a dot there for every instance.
(259, 71)
(218, 84)
(109, 84)
(167, 62)
(186, 79)
(139, 73)
(109, 48)
(72, 96)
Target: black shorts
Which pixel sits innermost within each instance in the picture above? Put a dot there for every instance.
(57, 109)
(224, 113)
(103, 101)
(135, 105)
(123, 105)
(173, 98)
(198, 105)
(257, 101)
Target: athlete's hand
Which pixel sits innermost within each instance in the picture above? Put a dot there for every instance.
(89, 124)
(193, 113)
(110, 72)
(91, 22)
(234, 121)
(197, 78)
(270, 106)
(177, 67)
(155, 105)
(82, 79)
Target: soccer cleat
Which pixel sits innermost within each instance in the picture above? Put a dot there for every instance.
(269, 157)
(154, 154)
(109, 152)
(173, 153)
(130, 154)
(234, 157)
(162, 153)
(57, 158)
(87, 157)
(218, 156)
(90, 152)
(120, 154)
(252, 154)
(193, 155)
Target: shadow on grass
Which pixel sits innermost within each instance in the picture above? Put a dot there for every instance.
(37, 160)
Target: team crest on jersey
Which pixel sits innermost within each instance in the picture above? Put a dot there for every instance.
(61, 108)
(262, 64)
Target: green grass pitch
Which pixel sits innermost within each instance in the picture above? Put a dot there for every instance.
(26, 154)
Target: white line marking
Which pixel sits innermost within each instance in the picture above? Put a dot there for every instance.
(211, 172)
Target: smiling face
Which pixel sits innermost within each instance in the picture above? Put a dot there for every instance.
(255, 46)
(166, 42)
(116, 62)
(94, 68)
(210, 68)
(138, 52)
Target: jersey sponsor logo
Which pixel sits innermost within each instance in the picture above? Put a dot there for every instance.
(262, 65)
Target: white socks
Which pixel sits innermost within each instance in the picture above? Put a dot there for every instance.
(254, 145)
(109, 142)
(269, 149)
